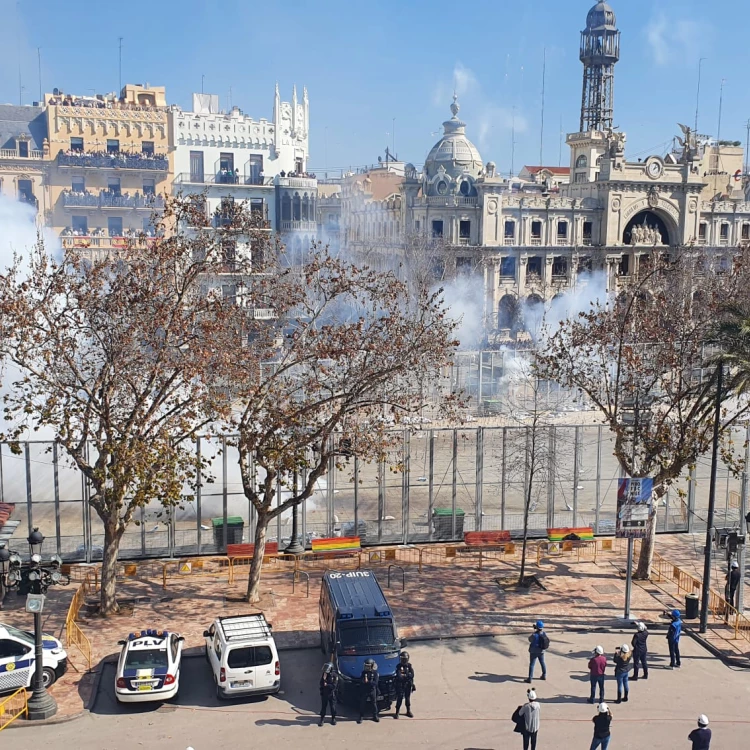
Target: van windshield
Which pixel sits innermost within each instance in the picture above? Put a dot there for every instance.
(368, 637)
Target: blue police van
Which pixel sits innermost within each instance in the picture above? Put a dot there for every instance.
(356, 624)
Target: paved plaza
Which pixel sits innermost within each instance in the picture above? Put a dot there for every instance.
(467, 690)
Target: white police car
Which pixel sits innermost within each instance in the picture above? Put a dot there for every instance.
(149, 666)
(17, 661)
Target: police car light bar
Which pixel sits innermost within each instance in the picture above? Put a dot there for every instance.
(151, 632)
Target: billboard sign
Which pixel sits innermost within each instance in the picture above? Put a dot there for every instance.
(633, 507)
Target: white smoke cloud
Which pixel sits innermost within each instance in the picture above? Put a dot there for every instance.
(674, 41)
(464, 298)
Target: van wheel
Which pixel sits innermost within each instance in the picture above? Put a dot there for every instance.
(220, 695)
(48, 676)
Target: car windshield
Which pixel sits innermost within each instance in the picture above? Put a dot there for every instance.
(146, 658)
(20, 634)
(368, 637)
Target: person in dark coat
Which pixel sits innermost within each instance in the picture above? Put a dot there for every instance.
(733, 583)
(404, 683)
(640, 650)
(701, 737)
(369, 690)
(329, 681)
(602, 723)
(673, 639)
(538, 644)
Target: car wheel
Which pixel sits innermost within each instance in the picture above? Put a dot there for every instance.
(48, 676)
(220, 695)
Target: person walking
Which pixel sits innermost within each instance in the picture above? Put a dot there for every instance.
(701, 737)
(329, 681)
(538, 644)
(673, 639)
(530, 714)
(640, 650)
(597, 667)
(602, 723)
(733, 582)
(623, 663)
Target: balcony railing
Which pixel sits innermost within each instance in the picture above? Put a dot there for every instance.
(188, 178)
(11, 153)
(119, 160)
(31, 200)
(99, 242)
(587, 241)
(263, 313)
(298, 226)
(562, 241)
(509, 241)
(108, 200)
(464, 240)
(297, 182)
(536, 241)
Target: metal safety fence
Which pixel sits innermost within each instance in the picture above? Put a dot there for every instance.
(13, 707)
(74, 635)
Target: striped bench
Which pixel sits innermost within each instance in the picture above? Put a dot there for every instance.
(584, 534)
(248, 550)
(341, 546)
(497, 541)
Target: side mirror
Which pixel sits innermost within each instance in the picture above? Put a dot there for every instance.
(206, 634)
(181, 638)
(270, 626)
(121, 643)
(404, 644)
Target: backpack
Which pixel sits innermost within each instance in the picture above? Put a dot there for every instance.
(543, 641)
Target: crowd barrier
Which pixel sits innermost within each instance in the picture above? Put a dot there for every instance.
(74, 636)
(12, 707)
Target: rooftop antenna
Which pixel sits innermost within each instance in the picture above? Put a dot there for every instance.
(120, 66)
(698, 95)
(747, 146)
(559, 155)
(718, 127)
(513, 143)
(203, 78)
(393, 136)
(541, 129)
(39, 63)
(20, 86)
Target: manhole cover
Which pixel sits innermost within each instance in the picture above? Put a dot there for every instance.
(607, 588)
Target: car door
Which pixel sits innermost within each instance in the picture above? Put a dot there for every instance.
(264, 663)
(214, 655)
(16, 663)
(241, 667)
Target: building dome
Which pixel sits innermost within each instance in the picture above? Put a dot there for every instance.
(454, 151)
(601, 15)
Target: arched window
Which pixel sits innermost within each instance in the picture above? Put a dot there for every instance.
(465, 187)
(582, 162)
(296, 207)
(305, 207)
(286, 208)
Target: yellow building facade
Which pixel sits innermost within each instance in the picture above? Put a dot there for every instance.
(109, 165)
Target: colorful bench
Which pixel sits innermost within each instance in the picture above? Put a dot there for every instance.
(584, 534)
(486, 540)
(340, 546)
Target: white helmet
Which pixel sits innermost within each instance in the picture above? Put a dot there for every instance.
(532, 695)
(625, 648)
(703, 720)
(641, 626)
(599, 650)
(735, 564)
(603, 708)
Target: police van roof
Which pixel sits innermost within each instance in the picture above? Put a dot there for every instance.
(356, 594)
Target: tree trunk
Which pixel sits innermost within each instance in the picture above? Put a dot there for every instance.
(646, 556)
(527, 505)
(253, 581)
(107, 597)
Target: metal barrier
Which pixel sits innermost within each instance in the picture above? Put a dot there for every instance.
(12, 707)
(403, 576)
(583, 549)
(295, 578)
(74, 636)
(196, 566)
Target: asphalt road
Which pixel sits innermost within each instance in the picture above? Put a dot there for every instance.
(467, 690)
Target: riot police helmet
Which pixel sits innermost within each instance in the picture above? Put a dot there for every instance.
(327, 668)
(370, 664)
(404, 656)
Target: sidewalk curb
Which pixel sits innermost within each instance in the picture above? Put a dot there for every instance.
(729, 661)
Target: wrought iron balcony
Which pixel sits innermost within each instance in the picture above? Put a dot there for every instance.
(119, 160)
(298, 226)
(190, 178)
(111, 200)
(12, 153)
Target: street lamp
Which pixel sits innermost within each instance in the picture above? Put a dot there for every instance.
(33, 579)
(296, 547)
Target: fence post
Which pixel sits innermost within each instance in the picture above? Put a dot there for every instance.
(479, 468)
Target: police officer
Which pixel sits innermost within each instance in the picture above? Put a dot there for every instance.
(369, 689)
(329, 681)
(404, 683)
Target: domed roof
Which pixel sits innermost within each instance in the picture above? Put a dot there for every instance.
(601, 15)
(454, 151)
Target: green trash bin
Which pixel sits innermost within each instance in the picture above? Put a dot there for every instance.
(442, 524)
(235, 530)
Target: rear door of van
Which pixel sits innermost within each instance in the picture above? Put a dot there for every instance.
(250, 667)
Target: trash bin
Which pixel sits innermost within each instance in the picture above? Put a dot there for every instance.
(691, 606)
(442, 523)
(235, 530)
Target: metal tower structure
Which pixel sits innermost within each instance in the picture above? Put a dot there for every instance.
(600, 50)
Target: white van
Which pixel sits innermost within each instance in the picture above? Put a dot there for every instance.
(243, 656)
(18, 662)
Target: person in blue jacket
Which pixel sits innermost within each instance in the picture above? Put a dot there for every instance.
(673, 639)
(538, 644)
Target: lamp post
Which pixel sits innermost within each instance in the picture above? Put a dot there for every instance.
(295, 543)
(34, 578)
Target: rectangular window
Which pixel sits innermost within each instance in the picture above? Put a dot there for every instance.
(148, 227)
(437, 228)
(416, 225)
(624, 269)
(23, 149)
(257, 208)
(562, 230)
(25, 189)
(113, 146)
(508, 268)
(746, 231)
(149, 187)
(114, 226)
(78, 185)
(534, 266)
(76, 144)
(79, 224)
(536, 230)
(464, 229)
(147, 147)
(510, 230)
(463, 266)
(724, 232)
(587, 230)
(298, 165)
(113, 185)
(255, 166)
(196, 166)
(559, 266)
(702, 231)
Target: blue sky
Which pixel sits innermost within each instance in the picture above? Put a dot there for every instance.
(367, 63)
